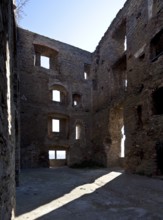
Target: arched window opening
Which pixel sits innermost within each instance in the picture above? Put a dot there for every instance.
(56, 95)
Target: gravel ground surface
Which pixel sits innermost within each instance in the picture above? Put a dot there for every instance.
(88, 194)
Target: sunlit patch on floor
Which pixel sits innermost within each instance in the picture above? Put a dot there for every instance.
(67, 198)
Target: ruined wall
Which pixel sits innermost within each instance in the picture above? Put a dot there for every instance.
(64, 74)
(144, 124)
(8, 111)
(129, 88)
(116, 90)
(109, 73)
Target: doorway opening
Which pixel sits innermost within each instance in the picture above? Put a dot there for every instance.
(116, 151)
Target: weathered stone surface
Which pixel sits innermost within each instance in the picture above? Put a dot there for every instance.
(114, 104)
(8, 111)
(66, 75)
(117, 90)
(118, 86)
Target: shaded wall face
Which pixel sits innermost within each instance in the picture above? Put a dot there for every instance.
(131, 80)
(143, 125)
(63, 75)
(8, 99)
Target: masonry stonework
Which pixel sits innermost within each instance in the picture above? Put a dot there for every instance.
(97, 109)
(9, 115)
(129, 88)
(112, 92)
(65, 75)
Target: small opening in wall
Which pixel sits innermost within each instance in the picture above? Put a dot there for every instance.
(125, 43)
(157, 101)
(77, 132)
(45, 62)
(75, 103)
(125, 84)
(56, 95)
(123, 137)
(52, 155)
(76, 99)
(61, 154)
(55, 125)
(157, 46)
(85, 76)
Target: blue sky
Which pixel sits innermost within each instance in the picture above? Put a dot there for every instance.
(81, 23)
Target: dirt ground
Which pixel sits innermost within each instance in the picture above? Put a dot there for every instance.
(88, 194)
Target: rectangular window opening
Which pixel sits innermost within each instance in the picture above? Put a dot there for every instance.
(57, 154)
(56, 95)
(77, 132)
(52, 154)
(85, 76)
(55, 125)
(60, 154)
(45, 62)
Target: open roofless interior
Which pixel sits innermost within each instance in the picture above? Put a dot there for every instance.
(64, 106)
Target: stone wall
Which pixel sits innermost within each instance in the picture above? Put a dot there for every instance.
(116, 90)
(37, 82)
(129, 88)
(8, 110)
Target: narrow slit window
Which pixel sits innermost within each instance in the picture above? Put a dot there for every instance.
(56, 95)
(125, 43)
(55, 125)
(45, 62)
(85, 75)
(123, 137)
(77, 132)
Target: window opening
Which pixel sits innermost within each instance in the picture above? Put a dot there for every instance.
(55, 125)
(126, 84)
(75, 102)
(157, 101)
(87, 68)
(77, 132)
(56, 95)
(57, 154)
(125, 43)
(120, 38)
(76, 99)
(123, 137)
(85, 75)
(52, 155)
(157, 46)
(45, 62)
(61, 154)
